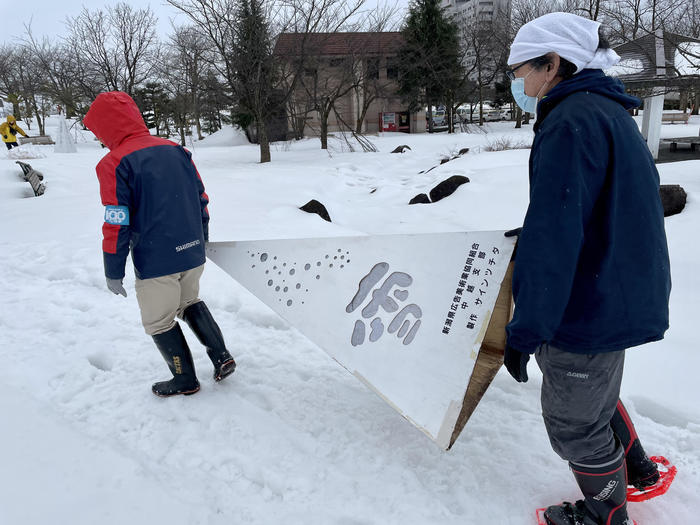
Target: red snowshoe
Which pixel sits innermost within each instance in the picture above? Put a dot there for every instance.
(667, 473)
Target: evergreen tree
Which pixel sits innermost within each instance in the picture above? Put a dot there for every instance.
(429, 60)
(154, 104)
(253, 65)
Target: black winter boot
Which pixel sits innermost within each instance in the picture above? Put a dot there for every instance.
(200, 320)
(173, 347)
(642, 472)
(604, 489)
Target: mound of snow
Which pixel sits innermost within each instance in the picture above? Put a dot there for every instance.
(228, 136)
(26, 151)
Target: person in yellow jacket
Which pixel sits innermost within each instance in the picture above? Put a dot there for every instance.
(9, 131)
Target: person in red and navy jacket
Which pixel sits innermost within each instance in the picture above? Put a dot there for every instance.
(156, 207)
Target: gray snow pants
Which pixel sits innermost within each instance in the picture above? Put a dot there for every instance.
(579, 396)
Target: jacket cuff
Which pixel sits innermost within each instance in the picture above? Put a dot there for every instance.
(521, 345)
(114, 266)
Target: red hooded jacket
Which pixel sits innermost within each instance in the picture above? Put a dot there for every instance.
(153, 195)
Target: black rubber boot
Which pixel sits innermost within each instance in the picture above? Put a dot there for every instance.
(604, 488)
(200, 320)
(568, 514)
(173, 347)
(642, 472)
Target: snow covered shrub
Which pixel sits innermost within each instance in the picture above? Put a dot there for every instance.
(506, 143)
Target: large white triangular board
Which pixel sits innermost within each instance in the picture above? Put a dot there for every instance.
(406, 314)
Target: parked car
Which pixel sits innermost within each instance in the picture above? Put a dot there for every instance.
(496, 114)
(439, 119)
(463, 113)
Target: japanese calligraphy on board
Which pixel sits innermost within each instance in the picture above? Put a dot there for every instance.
(406, 314)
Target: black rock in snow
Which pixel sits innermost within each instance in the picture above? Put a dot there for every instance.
(673, 198)
(447, 187)
(313, 206)
(421, 198)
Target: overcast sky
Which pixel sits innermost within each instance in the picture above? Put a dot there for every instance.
(48, 16)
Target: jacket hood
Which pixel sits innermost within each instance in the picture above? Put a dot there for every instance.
(592, 81)
(11, 119)
(113, 117)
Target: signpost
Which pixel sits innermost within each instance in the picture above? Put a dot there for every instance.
(419, 319)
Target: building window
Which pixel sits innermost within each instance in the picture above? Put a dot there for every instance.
(337, 62)
(372, 68)
(392, 69)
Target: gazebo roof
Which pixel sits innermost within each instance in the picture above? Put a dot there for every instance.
(658, 59)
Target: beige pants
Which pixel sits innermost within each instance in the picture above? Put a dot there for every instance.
(161, 299)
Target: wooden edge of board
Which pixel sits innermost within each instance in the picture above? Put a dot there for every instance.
(490, 357)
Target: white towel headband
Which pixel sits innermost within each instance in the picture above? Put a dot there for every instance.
(570, 36)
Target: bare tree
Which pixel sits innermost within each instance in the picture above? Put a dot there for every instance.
(326, 82)
(174, 75)
(10, 83)
(485, 57)
(119, 46)
(193, 52)
(370, 84)
(63, 78)
(29, 74)
(624, 19)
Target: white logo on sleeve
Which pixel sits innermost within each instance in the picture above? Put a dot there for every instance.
(118, 215)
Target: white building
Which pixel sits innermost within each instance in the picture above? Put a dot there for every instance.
(471, 15)
(470, 12)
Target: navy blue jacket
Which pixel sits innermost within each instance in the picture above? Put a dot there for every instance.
(154, 197)
(592, 271)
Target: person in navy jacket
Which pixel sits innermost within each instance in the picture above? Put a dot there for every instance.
(156, 208)
(592, 273)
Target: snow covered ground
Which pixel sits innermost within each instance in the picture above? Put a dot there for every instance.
(291, 437)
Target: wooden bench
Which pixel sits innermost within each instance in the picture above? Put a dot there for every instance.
(33, 177)
(41, 140)
(675, 117)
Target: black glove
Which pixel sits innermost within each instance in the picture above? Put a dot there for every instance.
(516, 363)
(514, 233)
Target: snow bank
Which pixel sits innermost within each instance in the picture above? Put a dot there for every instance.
(228, 136)
(26, 151)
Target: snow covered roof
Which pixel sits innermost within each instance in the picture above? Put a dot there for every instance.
(653, 59)
(628, 66)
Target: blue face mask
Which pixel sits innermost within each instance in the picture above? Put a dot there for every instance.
(526, 102)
